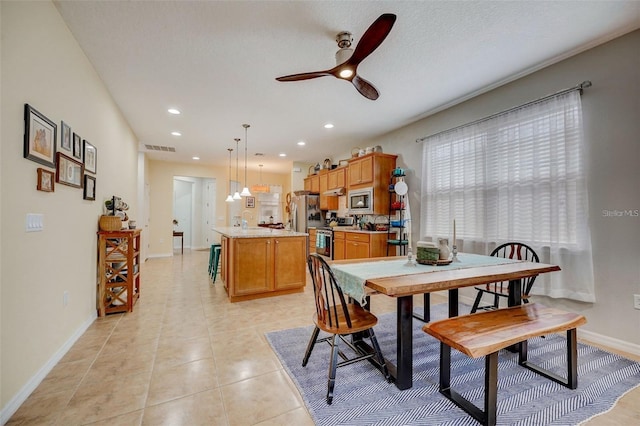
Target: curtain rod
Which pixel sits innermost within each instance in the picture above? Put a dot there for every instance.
(585, 84)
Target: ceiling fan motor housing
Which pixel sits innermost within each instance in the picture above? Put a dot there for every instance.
(344, 40)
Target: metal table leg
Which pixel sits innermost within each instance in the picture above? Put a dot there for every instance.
(404, 368)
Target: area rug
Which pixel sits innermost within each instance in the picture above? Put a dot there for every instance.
(363, 397)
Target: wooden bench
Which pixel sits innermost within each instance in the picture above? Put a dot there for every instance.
(485, 333)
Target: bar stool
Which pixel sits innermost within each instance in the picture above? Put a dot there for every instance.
(216, 261)
(213, 259)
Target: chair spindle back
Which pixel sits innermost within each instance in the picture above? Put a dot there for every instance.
(329, 298)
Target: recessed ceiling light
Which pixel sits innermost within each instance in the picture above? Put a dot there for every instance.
(302, 143)
(176, 133)
(282, 154)
(173, 111)
(328, 126)
(195, 158)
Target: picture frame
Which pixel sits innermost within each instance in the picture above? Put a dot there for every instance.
(250, 202)
(89, 190)
(39, 137)
(77, 146)
(65, 136)
(69, 171)
(90, 157)
(46, 180)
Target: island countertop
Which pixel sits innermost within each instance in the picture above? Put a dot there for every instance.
(257, 232)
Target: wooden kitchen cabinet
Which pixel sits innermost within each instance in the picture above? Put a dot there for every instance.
(361, 245)
(261, 267)
(224, 260)
(118, 270)
(336, 178)
(361, 171)
(312, 240)
(373, 171)
(289, 253)
(312, 184)
(339, 245)
(327, 202)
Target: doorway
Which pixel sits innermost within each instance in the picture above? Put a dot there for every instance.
(194, 201)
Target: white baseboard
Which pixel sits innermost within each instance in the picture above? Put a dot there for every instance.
(609, 342)
(151, 256)
(31, 385)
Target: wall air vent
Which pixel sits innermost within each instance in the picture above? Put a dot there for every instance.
(160, 148)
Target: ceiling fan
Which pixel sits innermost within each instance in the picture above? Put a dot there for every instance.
(347, 63)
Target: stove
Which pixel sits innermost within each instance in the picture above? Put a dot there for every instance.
(324, 235)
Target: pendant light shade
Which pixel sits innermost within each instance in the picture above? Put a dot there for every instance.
(260, 187)
(245, 190)
(229, 197)
(236, 195)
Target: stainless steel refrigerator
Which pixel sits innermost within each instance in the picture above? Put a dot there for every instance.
(305, 212)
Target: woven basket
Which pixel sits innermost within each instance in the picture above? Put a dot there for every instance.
(110, 223)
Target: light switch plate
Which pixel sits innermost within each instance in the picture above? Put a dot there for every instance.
(636, 301)
(34, 222)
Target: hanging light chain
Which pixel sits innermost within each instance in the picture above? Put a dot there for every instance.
(246, 126)
(229, 197)
(236, 195)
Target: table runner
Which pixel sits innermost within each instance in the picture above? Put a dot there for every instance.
(351, 277)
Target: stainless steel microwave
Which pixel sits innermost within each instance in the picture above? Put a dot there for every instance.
(360, 201)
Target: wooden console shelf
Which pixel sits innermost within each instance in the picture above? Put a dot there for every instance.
(118, 271)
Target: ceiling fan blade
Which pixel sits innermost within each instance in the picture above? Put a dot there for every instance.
(365, 88)
(372, 38)
(304, 76)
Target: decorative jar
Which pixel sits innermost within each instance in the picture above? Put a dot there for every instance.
(443, 247)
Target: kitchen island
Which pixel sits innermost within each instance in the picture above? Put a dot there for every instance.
(262, 262)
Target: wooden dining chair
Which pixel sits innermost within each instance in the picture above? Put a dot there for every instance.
(510, 250)
(337, 316)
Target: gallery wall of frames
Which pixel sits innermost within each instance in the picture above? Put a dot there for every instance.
(69, 160)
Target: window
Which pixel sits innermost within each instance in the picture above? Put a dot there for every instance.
(517, 176)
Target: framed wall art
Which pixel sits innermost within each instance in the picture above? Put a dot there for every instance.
(45, 180)
(89, 188)
(39, 137)
(69, 171)
(77, 146)
(90, 157)
(65, 136)
(251, 202)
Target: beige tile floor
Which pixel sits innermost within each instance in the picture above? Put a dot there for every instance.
(186, 356)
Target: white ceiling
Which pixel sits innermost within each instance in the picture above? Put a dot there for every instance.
(217, 62)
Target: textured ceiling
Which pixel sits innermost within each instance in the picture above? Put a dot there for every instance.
(217, 62)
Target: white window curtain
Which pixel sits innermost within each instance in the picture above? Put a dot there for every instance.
(518, 176)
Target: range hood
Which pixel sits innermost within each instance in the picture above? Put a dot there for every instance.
(336, 191)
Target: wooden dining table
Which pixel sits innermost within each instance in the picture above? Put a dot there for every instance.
(403, 282)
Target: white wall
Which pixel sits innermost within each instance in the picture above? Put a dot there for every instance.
(161, 174)
(611, 111)
(43, 65)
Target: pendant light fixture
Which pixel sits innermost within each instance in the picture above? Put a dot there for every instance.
(229, 197)
(236, 195)
(260, 187)
(245, 190)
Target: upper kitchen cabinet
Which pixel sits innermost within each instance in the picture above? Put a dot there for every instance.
(373, 171)
(370, 170)
(312, 184)
(361, 171)
(336, 178)
(327, 201)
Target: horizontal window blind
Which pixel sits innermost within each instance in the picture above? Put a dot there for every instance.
(519, 176)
